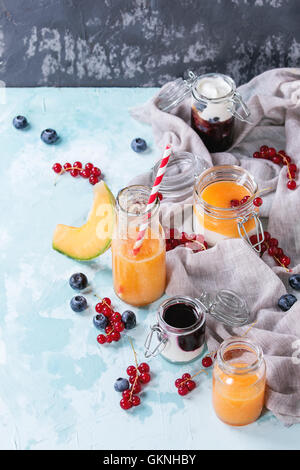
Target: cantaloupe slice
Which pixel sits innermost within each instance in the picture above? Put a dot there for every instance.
(94, 237)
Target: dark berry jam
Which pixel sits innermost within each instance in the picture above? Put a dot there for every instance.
(181, 315)
(216, 135)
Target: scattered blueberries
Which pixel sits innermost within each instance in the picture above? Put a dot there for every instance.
(78, 303)
(20, 122)
(294, 281)
(121, 385)
(100, 321)
(129, 319)
(286, 302)
(138, 145)
(78, 281)
(49, 136)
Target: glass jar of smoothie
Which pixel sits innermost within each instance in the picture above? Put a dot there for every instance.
(140, 278)
(215, 216)
(215, 105)
(239, 381)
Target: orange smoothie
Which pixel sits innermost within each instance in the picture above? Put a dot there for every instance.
(238, 399)
(219, 195)
(139, 279)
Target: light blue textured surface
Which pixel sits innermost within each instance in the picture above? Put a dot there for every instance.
(56, 383)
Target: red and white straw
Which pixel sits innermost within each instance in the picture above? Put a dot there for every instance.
(152, 198)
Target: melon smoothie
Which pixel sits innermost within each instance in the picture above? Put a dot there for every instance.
(139, 278)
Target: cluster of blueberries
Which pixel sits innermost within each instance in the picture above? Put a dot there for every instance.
(286, 301)
(49, 136)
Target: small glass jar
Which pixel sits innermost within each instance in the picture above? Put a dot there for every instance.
(140, 278)
(214, 106)
(178, 182)
(180, 330)
(239, 381)
(218, 223)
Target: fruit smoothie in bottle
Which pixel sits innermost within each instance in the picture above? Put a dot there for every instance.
(140, 278)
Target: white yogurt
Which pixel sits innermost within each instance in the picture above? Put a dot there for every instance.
(213, 88)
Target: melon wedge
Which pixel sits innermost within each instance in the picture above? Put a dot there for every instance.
(94, 237)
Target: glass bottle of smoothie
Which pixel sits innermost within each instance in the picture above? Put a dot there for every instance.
(223, 206)
(239, 382)
(139, 279)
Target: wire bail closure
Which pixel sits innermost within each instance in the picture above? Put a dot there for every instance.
(237, 100)
(260, 236)
(160, 346)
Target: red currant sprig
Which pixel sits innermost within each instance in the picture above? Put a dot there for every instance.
(270, 245)
(194, 242)
(138, 375)
(279, 158)
(90, 172)
(257, 201)
(115, 325)
(186, 384)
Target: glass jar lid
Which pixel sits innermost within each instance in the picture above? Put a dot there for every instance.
(179, 178)
(175, 92)
(227, 307)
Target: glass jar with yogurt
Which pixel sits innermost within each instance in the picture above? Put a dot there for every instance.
(214, 106)
(214, 217)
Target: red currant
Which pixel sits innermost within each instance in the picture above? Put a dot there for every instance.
(190, 385)
(282, 152)
(67, 166)
(99, 307)
(257, 202)
(291, 184)
(131, 370)
(285, 260)
(136, 401)
(186, 376)
(207, 361)
(277, 159)
(85, 173)
(234, 203)
(108, 330)
(244, 200)
(263, 248)
(271, 152)
(280, 252)
(57, 167)
(125, 404)
(136, 388)
(93, 179)
(126, 394)
(272, 251)
(143, 367)
(115, 336)
(101, 339)
(132, 379)
(178, 383)
(119, 326)
(96, 171)
(273, 242)
(116, 317)
(144, 378)
(293, 167)
(267, 236)
(74, 173)
(106, 310)
(291, 175)
(183, 390)
(89, 166)
(264, 148)
(77, 165)
(109, 339)
(256, 155)
(106, 300)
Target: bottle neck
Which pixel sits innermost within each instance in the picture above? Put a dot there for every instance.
(239, 356)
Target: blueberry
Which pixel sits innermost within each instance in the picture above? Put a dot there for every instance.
(286, 302)
(201, 106)
(121, 385)
(129, 319)
(78, 281)
(20, 122)
(100, 321)
(213, 120)
(78, 303)
(138, 145)
(49, 136)
(294, 281)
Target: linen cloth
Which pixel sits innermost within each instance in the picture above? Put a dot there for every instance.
(274, 101)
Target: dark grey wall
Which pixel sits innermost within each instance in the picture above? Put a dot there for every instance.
(143, 42)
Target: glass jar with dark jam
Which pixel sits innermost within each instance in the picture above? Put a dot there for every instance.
(214, 107)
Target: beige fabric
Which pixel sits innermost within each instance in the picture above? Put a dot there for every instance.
(274, 101)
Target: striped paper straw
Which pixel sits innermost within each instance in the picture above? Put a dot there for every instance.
(152, 198)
